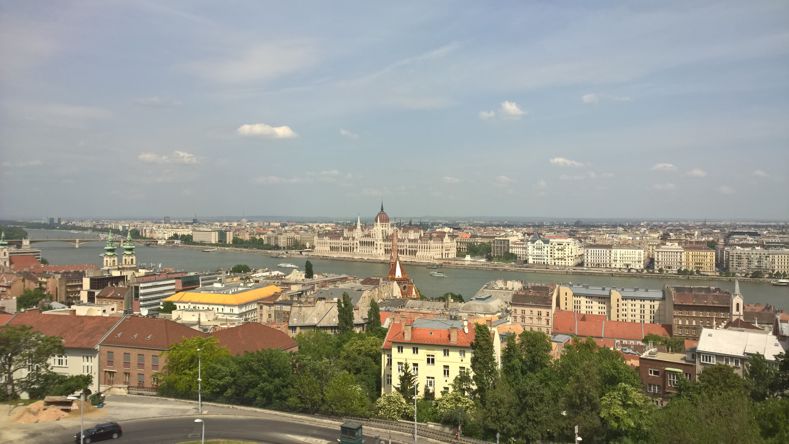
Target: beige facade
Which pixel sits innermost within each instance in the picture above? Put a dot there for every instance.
(699, 259)
(533, 307)
(616, 304)
(614, 257)
(748, 260)
(669, 257)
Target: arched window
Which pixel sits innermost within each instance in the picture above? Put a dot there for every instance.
(738, 307)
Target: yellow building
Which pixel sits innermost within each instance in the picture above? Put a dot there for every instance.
(616, 304)
(700, 259)
(435, 350)
(232, 303)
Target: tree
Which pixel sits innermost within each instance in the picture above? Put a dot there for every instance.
(393, 406)
(179, 376)
(361, 357)
(56, 384)
(22, 348)
(483, 362)
(309, 381)
(308, 272)
(167, 307)
(345, 397)
(627, 413)
(374, 316)
(318, 345)
(453, 408)
(463, 384)
(772, 416)
(407, 383)
(345, 314)
(240, 268)
(760, 377)
(32, 298)
(264, 379)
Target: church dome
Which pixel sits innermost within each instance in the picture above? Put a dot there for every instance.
(382, 217)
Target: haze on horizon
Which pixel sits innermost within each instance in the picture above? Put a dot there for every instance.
(611, 110)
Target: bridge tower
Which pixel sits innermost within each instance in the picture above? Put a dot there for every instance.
(110, 258)
(76, 243)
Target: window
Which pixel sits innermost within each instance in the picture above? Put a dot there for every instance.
(110, 359)
(399, 349)
(126, 377)
(127, 360)
(140, 361)
(415, 350)
(140, 380)
(653, 388)
(61, 361)
(446, 371)
(155, 362)
(109, 378)
(446, 352)
(672, 378)
(430, 383)
(388, 379)
(415, 368)
(431, 360)
(462, 354)
(462, 370)
(399, 368)
(687, 376)
(654, 372)
(707, 359)
(388, 360)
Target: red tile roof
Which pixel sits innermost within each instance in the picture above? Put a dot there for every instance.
(251, 337)
(427, 336)
(23, 262)
(597, 326)
(69, 267)
(76, 331)
(149, 333)
(5, 317)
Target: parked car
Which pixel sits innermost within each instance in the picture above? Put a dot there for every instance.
(100, 432)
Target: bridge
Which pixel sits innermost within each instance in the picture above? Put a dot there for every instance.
(76, 242)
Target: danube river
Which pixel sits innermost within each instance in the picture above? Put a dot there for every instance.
(462, 281)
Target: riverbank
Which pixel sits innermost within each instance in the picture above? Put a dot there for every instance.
(479, 265)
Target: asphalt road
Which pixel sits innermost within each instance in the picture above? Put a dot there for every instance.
(175, 430)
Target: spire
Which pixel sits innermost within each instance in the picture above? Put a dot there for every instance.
(358, 223)
(737, 288)
(382, 205)
(3, 242)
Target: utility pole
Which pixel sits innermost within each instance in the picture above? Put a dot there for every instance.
(415, 393)
(199, 383)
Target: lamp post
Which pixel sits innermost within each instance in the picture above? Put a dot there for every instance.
(199, 382)
(81, 417)
(415, 393)
(202, 433)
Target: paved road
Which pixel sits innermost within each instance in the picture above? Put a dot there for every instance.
(175, 430)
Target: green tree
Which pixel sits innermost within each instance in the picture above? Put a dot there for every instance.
(264, 379)
(318, 345)
(22, 348)
(167, 307)
(240, 268)
(361, 357)
(393, 406)
(31, 298)
(374, 317)
(627, 413)
(407, 383)
(345, 397)
(309, 382)
(56, 384)
(308, 272)
(453, 408)
(345, 314)
(179, 376)
(760, 377)
(483, 362)
(772, 416)
(463, 384)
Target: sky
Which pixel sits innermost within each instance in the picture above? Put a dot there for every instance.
(443, 108)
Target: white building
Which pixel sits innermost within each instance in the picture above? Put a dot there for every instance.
(231, 303)
(626, 258)
(733, 348)
(747, 260)
(669, 257)
(555, 251)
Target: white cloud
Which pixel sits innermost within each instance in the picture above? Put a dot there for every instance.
(664, 187)
(177, 157)
(22, 164)
(564, 162)
(665, 167)
(450, 179)
(276, 180)
(156, 102)
(595, 98)
(511, 110)
(264, 130)
(697, 172)
(503, 181)
(259, 63)
(760, 173)
(487, 115)
(349, 134)
(541, 185)
(725, 189)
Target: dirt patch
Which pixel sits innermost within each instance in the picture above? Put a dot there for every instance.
(36, 413)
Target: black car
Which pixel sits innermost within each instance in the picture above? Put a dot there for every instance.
(100, 432)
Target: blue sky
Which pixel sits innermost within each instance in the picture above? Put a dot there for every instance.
(534, 109)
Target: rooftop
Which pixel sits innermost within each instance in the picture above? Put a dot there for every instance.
(76, 331)
(430, 332)
(677, 358)
(707, 296)
(149, 333)
(224, 295)
(251, 337)
(739, 343)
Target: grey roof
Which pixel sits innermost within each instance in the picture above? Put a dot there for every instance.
(629, 293)
(437, 324)
(322, 314)
(561, 338)
(483, 304)
(335, 293)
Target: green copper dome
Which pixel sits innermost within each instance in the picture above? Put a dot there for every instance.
(3, 242)
(128, 246)
(109, 248)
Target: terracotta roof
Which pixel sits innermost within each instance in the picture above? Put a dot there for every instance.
(69, 267)
(428, 336)
(23, 262)
(251, 337)
(113, 293)
(707, 296)
(76, 331)
(597, 326)
(150, 333)
(5, 317)
(740, 324)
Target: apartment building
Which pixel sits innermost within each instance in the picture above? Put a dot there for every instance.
(614, 257)
(745, 260)
(533, 307)
(669, 257)
(558, 251)
(616, 304)
(661, 373)
(435, 350)
(700, 259)
(696, 308)
(231, 303)
(734, 348)
(597, 256)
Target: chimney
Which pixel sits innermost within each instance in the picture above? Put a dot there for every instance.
(407, 332)
(453, 335)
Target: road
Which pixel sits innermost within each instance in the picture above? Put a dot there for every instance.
(180, 429)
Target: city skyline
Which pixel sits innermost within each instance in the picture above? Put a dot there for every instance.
(447, 110)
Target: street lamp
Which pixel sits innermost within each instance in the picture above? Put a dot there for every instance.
(202, 434)
(81, 417)
(199, 383)
(415, 393)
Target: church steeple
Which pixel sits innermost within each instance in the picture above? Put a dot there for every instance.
(129, 258)
(3, 242)
(110, 257)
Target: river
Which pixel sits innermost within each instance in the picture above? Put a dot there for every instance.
(462, 281)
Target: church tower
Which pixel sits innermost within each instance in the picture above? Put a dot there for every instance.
(5, 255)
(129, 259)
(110, 258)
(398, 274)
(737, 302)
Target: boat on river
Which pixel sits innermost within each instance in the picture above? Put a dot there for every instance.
(286, 265)
(437, 274)
(780, 282)
(209, 250)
